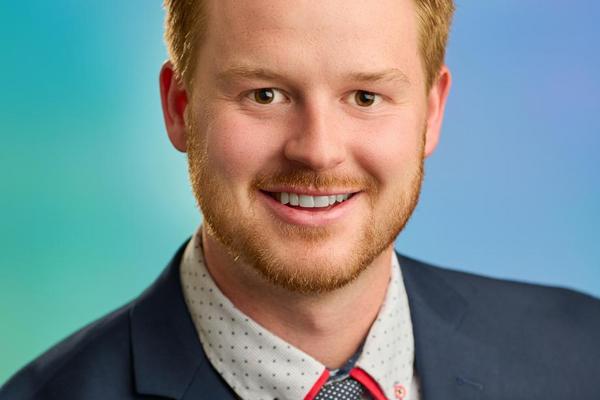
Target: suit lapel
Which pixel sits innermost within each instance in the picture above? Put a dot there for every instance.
(450, 363)
(168, 359)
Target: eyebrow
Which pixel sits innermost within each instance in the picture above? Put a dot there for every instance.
(390, 74)
(249, 72)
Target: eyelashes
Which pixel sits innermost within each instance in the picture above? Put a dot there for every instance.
(266, 96)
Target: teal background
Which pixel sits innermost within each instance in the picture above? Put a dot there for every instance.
(94, 200)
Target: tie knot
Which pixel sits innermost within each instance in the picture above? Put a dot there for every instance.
(343, 389)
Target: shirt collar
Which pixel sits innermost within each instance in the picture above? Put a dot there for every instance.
(388, 351)
(257, 364)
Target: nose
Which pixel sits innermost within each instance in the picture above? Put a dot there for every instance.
(316, 141)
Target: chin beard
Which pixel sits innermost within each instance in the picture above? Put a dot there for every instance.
(245, 241)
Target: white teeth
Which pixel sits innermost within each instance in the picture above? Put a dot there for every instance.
(306, 201)
(294, 199)
(285, 198)
(321, 201)
(302, 200)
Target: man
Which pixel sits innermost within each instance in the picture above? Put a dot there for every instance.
(306, 126)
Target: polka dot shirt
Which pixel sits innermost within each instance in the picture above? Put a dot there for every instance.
(259, 365)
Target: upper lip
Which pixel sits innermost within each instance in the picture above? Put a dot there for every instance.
(310, 191)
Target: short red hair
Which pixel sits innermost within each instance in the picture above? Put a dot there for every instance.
(185, 23)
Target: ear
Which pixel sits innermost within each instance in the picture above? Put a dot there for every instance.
(436, 103)
(174, 99)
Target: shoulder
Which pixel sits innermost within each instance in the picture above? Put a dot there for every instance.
(526, 321)
(85, 362)
(147, 346)
(520, 298)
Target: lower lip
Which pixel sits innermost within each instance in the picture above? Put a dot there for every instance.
(310, 216)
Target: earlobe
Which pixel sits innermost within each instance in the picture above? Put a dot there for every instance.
(174, 100)
(436, 104)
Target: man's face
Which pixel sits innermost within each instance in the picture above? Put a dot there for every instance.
(297, 99)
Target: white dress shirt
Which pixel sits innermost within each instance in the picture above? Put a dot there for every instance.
(259, 365)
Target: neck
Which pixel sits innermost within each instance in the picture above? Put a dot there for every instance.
(315, 323)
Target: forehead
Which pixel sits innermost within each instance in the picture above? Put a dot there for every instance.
(317, 37)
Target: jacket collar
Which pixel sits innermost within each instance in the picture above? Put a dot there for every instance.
(168, 359)
(451, 358)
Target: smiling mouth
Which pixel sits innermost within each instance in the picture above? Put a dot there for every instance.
(304, 201)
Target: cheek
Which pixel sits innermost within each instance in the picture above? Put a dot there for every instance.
(389, 149)
(239, 147)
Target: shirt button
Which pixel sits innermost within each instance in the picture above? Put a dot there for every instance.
(399, 391)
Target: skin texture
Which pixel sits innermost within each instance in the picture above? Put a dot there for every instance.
(303, 281)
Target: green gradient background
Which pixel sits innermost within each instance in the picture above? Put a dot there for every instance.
(94, 200)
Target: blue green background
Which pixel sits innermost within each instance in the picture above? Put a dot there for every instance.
(94, 200)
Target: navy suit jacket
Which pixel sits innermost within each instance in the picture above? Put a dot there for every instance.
(475, 338)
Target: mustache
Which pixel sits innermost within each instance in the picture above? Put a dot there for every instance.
(312, 179)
